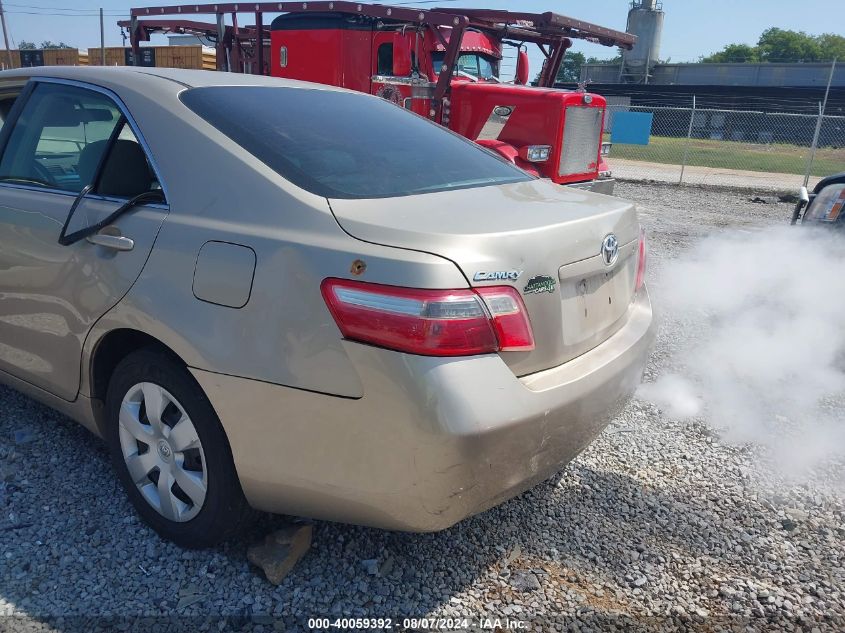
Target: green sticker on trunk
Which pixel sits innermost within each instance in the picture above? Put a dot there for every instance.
(538, 284)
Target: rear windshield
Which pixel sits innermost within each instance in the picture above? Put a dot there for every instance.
(347, 145)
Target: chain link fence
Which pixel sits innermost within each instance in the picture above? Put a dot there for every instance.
(732, 148)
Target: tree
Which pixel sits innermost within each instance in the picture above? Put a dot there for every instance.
(778, 45)
(570, 69)
(832, 47)
(29, 46)
(733, 53)
(612, 60)
(49, 44)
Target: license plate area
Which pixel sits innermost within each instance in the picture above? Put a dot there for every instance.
(595, 297)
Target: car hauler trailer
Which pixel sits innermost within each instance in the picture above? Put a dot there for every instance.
(442, 64)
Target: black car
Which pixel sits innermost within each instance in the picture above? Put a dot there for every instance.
(825, 206)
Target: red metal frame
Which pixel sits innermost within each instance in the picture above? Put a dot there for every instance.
(537, 118)
(542, 29)
(231, 38)
(544, 26)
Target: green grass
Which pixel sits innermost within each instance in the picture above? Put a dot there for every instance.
(771, 158)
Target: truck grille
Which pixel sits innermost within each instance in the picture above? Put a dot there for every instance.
(581, 137)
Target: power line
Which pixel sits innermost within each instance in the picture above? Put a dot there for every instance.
(730, 60)
(68, 15)
(72, 9)
(127, 9)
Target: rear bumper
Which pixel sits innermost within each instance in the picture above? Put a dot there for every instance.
(432, 441)
(602, 185)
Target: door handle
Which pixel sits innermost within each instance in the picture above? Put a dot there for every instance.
(114, 242)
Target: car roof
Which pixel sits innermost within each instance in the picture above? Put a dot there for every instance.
(132, 76)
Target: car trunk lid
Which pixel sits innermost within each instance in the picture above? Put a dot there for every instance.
(541, 238)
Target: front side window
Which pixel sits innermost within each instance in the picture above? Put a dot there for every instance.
(385, 59)
(61, 129)
(347, 145)
(480, 66)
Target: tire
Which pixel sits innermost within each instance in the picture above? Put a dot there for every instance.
(148, 395)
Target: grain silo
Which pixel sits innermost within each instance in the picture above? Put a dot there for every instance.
(645, 20)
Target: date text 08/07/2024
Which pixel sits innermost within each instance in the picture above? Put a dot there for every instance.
(418, 624)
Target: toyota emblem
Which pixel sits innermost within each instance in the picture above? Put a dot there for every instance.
(610, 250)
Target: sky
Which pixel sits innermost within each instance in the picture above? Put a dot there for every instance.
(692, 27)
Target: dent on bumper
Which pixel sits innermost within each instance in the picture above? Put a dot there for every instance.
(432, 441)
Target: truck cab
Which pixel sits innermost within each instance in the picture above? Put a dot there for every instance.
(552, 133)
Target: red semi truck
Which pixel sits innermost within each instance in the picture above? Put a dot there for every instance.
(442, 64)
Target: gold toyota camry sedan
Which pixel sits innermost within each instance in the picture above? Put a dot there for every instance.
(274, 295)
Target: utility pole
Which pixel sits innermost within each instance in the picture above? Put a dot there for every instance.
(102, 39)
(822, 109)
(689, 140)
(5, 35)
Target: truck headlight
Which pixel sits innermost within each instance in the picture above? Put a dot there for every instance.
(536, 153)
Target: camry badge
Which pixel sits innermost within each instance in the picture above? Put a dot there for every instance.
(538, 284)
(610, 250)
(499, 275)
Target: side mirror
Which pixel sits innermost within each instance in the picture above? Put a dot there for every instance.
(522, 70)
(803, 195)
(803, 201)
(827, 204)
(401, 55)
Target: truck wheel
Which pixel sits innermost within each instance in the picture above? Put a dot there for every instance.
(170, 452)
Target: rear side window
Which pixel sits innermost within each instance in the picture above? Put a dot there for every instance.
(7, 100)
(347, 145)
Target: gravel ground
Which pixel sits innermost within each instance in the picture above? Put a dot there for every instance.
(656, 524)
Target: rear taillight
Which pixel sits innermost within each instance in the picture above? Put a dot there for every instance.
(430, 322)
(641, 262)
(509, 318)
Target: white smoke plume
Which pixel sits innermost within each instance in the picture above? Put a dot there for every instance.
(764, 361)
